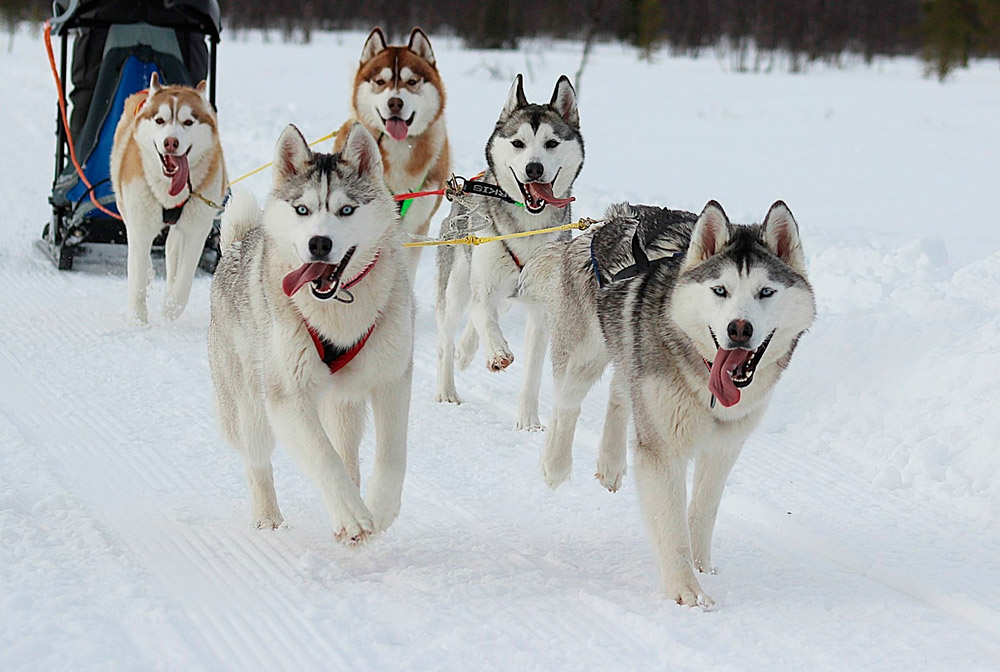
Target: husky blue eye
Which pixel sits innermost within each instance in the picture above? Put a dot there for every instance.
(517, 143)
(720, 291)
(551, 144)
(346, 211)
(301, 210)
(766, 292)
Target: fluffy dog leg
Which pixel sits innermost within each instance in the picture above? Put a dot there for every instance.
(468, 343)
(300, 431)
(448, 311)
(345, 425)
(660, 473)
(572, 382)
(390, 410)
(611, 461)
(140, 272)
(711, 468)
(244, 424)
(185, 243)
(536, 342)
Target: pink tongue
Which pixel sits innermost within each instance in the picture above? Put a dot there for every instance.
(179, 179)
(542, 191)
(397, 128)
(720, 382)
(304, 274)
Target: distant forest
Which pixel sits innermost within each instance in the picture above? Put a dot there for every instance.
(946, 33)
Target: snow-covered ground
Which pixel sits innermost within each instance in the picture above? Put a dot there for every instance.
(858, 530)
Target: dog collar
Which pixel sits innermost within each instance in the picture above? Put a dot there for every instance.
(364, 271)
(142, 103)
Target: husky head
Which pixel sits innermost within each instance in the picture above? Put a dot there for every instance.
(397, 89)
(326, 209)
(536, 151)
(742, 296)
(178, 123)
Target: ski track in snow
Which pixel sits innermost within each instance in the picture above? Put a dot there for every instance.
(126, 536)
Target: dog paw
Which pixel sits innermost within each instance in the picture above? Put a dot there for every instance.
(555, 472)
(610, 480)
(530, 424)
(499, 360)
(353, 523)
(688, 593)
(269, 523)
(448, 397)
(610, 474)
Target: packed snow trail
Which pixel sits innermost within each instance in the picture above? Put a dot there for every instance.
(126, 536)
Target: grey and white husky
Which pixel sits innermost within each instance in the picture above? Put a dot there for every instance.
(312, 315)
(700, 317)
(534, 155)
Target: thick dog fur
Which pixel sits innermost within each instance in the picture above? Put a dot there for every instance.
(531, 143)
(401, 85)
(714, 279)
(269, 379)
(177, 121)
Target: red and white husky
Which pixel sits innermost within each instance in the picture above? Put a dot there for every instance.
(399, 97)
(166, 150)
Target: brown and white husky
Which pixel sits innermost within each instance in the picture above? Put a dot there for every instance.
(399, 97)
(166, 151)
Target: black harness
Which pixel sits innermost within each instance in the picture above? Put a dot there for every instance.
(172, 215)
(642, 263)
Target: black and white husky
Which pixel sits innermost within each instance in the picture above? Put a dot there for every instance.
(534, 155)
(312, 316)
(700, 317)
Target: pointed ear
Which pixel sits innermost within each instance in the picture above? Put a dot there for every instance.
(361, 151)
(710, 235)
(564, 101)
(781, 233)
(202, 88)
(291, 154)
(154, 83)
(515, 99)
(421, 46)
(374, 45)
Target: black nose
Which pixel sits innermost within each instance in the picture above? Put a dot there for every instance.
(534, 170)
(740, 331)
(395, 105)
(320, 246)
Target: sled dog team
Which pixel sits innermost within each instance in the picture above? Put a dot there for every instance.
(312, 307)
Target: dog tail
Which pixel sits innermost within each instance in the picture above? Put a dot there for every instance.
(242, 214)
(540, 274)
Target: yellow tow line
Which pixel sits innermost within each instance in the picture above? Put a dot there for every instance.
(271, 163)
(476, 240)
(580, 225)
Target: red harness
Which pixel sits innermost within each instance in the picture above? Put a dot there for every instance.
(334, 356)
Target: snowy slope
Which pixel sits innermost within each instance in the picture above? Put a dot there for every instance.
(858, 530)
